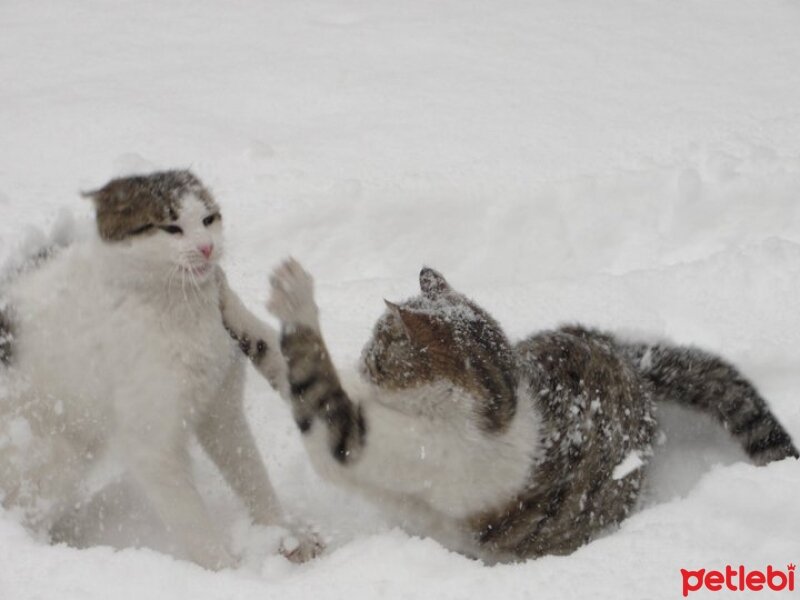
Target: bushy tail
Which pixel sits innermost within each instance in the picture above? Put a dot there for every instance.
(36, 248)
(701, 380)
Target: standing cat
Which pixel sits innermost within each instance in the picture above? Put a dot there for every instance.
(500, 452)
(113, 352)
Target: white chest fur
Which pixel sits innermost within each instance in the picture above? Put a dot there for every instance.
(100, 348)
(117, 371)
(426, 461)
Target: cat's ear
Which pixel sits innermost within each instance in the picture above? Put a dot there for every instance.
(105, 195)
(420, 327)
(432, 283)
(93, 195)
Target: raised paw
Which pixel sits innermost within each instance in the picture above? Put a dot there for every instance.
(292, 295)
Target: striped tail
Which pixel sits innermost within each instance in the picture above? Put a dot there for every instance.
(703, 381)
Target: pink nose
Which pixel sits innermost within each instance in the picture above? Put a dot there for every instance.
(206, 250)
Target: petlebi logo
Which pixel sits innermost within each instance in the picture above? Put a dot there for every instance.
(739, 579)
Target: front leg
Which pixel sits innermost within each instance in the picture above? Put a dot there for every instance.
(257, 340)
(225, 435)
(314, 385)
(335, 426)
(439, 457)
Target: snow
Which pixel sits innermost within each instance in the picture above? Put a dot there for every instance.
(628, 465)
(631, 164)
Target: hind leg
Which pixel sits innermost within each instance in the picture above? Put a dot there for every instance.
(226, 437)
(39, 476)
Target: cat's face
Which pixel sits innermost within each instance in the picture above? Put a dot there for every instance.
(390, 359)
(439, 335)
(166, 221)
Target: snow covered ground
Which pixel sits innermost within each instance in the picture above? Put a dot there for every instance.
(633, 164)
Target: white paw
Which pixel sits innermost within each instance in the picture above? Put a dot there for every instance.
(292, 295)
(259, 543)
(302, 546)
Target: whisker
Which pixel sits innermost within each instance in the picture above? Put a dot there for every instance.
(183, 285)
(195, 287)
(170, 301)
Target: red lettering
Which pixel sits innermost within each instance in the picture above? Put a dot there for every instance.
(714, 581)
(771, 574)
(729, 575)
(773, 579)
(755, 581)
(687, 587)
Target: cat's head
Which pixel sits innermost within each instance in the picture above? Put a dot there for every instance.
(167, 220)
(439, 335)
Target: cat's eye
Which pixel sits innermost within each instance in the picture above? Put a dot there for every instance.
(172, 229)
(142, 229)
(211, 219)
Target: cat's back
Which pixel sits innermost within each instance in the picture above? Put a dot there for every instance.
(597, 428)
(588, 394)
(580, 362)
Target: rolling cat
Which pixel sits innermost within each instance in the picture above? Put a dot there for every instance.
(502, 452)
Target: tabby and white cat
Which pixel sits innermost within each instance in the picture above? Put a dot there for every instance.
(501, 452)
(114, 355)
